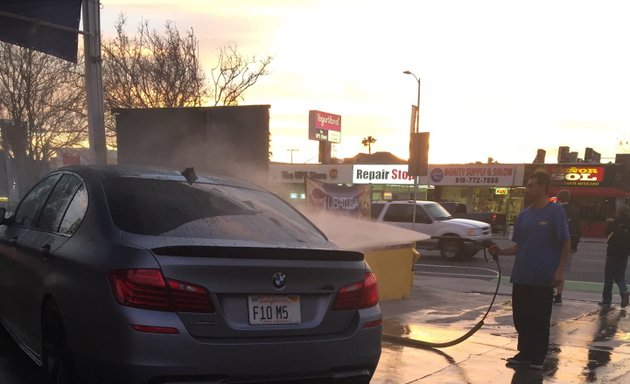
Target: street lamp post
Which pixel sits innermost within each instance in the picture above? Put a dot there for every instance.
(415, 129)
(292, 150)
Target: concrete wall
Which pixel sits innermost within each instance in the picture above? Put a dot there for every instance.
(225, 140)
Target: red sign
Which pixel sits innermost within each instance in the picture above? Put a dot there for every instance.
(324, 120)
(324, 126)
(575, 175)
(578, 175)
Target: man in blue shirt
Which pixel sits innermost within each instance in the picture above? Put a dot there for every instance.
(542, 247)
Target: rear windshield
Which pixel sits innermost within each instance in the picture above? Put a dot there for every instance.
(177, 209)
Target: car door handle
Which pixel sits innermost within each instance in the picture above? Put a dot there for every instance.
(13, 241)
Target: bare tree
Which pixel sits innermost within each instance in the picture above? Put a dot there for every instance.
(155, 70)
(152, 70)
(235, 73)
(367, 142)
(42, 107)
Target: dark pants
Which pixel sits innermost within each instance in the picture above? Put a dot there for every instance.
(615, 269)
(531, 311)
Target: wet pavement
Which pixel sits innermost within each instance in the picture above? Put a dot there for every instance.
(588, 344)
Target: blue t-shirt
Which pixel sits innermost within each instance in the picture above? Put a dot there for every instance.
(539, 234)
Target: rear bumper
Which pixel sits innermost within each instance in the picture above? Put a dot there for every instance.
(156, 358)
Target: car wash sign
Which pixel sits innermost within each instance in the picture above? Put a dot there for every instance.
(324, 126)
(578, 175)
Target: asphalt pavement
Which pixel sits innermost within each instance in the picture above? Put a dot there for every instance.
(589, 344)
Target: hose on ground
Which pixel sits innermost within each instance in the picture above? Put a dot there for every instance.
(429, 344)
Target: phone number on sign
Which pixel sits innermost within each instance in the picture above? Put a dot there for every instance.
(477, 180)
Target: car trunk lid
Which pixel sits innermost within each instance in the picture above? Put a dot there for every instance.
(265, 292)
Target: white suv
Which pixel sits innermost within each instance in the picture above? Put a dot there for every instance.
(435, 221)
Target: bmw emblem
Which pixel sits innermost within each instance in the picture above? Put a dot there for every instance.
(279, 280)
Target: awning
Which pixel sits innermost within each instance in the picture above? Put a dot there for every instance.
(591, 191)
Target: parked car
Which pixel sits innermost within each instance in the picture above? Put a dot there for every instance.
(111, 274)
(448, 234)
(460, 210)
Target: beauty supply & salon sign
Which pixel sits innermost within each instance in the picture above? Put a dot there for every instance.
(472, 175)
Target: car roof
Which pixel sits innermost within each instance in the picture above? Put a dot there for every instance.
(419, 202)
(153, 173)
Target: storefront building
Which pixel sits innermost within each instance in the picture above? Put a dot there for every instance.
(498, 188)
(596, 189)
(388, 181)
(287, 180)
(482, 187)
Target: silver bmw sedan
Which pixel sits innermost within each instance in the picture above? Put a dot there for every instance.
(112, 274)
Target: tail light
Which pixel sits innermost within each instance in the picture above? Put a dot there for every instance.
(363, 294)
(494, 217)
(148, 289)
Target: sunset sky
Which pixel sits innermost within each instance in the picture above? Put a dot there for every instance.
(499, 78)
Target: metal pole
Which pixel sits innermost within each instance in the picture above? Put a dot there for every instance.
(418, 114)
(94, 81)
(416, 178)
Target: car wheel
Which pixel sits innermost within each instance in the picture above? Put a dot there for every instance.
(57, 359)
(451, 249)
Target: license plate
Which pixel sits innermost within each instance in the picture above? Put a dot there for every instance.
(277, 309)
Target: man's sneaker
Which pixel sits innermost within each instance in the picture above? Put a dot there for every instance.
(517, 360)
(625, 299)
(603, 304)
(557, 299)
